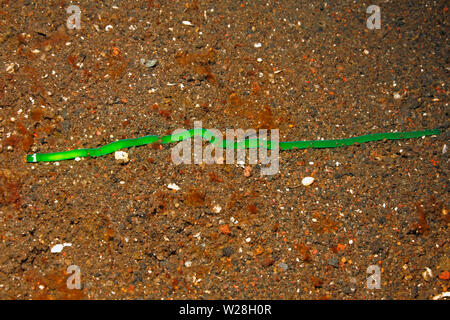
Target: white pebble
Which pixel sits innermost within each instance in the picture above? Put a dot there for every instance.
(397, 96)
(188, 264)
(217, 208)
(187, 23)
(108, 27)
(307, 181)
(258, 45)
(122, 156)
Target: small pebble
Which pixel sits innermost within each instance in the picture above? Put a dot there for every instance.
(307, 181)
(267, 261)
(225, 229)
(427, 274)
(333, 262)
(227, 251)
(283, 266)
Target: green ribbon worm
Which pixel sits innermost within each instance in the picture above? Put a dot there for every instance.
(209, 136)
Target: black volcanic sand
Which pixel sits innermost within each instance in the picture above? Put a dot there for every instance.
(319, 73)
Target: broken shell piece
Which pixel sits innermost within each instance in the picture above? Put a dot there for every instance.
(173, 186)
(57, 248)
(442, 295)
(151, 63)
(187, 23)
(307, 181)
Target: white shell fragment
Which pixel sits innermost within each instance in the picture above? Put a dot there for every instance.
(121, 156)
(173, 186)
(151, 63)
(187, 23)
(442, 295)
(57, 248)
(307, 181)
